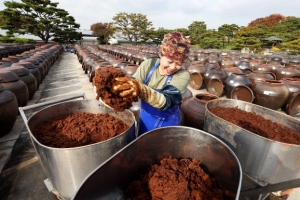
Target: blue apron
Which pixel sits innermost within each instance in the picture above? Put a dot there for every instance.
(151, 118)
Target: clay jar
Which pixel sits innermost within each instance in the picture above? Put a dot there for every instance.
(37, 65)
(25, 76)
(257, 77)
(9, 110)
(293, 84)
(263, 67)
(293, 104)
(227, 63)
(209, 66)
(215, 87)
(123, 64)
(193, 109)
(230, 70)
(286, 72)
(271, 94)
(243, 93)
(10, 81)
(234, 80)
(214, 73)
(196, 68)
(196, 80)
(275, 65)
(294, 62)
(32, 69)
(187, 94)
(130, 69)
(245, 66)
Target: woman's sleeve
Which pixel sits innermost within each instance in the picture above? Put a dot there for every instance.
(181, 81)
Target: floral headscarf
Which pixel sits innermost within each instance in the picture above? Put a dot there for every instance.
(175, 46)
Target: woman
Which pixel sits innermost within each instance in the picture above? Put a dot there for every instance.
(161, 84)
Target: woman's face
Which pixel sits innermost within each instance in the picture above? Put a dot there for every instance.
(168, 66)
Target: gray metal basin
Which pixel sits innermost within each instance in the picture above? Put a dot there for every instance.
(263, 159)
(67, 167)
(111, 178)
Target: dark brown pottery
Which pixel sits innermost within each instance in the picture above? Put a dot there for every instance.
(186, 64)
(293, 84)
(275, 65)
(227, 63)
(32, 69)
(234, 80)
(25, 76)
(214, 73)
(196, 80)
(263, 67)
(257, 76)
(37, 65)
(286, 72)
(245, 66)
(293, 104)
(243, 93)
(271, 94)
(215, 86)
(187, 94)
(193, 109)
(209, 66)
(130, 69)
(9, 110)
(230, 70)
(196, 68)
(10, 81)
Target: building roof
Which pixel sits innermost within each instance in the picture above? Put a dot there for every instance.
(272, 38)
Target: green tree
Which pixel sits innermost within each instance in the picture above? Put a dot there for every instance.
(251, 42)
(41, 18)
(228, 30)
(196, 30)
(208, 42)
(157, 35)
(184, 31)
(132, 26)
(103, 31)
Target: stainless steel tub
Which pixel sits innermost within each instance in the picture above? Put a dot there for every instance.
(111, 178)
(67, 167)
(263, 159)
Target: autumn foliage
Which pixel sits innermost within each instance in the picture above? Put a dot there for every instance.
(269, 21)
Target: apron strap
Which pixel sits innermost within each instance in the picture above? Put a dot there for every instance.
(151, 72)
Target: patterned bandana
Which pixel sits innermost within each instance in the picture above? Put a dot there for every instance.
(175, 46)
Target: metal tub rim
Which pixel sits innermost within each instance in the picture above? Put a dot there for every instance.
(70, 148)
(253, 105)
(161, 128)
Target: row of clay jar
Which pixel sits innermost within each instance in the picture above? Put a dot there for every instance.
(263, 84)
(13, 49)
(20, 78)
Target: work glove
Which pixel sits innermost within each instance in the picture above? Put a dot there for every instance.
(131, 87)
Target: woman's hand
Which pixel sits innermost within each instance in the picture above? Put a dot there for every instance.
(125, 86)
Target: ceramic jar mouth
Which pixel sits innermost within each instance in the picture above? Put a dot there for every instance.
(273, 82)
(292, 80)
(204, 98)
(239, 74)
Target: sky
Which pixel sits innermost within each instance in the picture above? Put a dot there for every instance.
(172, 14)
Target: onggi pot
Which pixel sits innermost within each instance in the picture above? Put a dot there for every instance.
(193, 109)
(9, 110)
(234, 80)
(271, 94)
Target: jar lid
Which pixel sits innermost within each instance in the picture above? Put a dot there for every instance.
(19, 70)
(7, 76)
(32, 60)
(25, 64)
